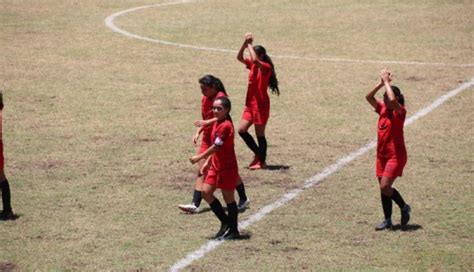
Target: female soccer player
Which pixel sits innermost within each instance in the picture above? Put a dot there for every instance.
(211, 88)
(391, 152)
(222, 169)
(7, 212)
(257, 104)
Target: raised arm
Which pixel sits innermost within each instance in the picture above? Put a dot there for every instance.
(386, 77)
(253, 56)
(371, 95)
(248, 40)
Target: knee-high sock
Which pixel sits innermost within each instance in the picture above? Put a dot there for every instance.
(233, 214)
(241, 191)
(262, 148)
(248, 139)
(197, 197)
(398, 199)
(387, 206)
(216, 207)
(6, 196)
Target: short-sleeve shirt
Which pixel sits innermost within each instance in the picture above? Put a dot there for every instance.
(257, 95)
(206, 112)
(390, 140)
(224, 160)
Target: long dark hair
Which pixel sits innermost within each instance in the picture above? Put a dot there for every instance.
(262, 54)
(225, 101)
(214, 82)
(398, 95)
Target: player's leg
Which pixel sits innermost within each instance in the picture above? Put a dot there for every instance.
(229, 199)
(262, 145)
(7, 212)
(216, 207)
(244, 201)
(245, 135)
(193, 208)
(386, 192)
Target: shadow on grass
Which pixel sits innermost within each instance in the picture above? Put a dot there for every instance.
(409, 227)
(13, 218)
(277, 167)
(244, 235)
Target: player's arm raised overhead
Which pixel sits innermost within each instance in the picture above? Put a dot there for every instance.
(386, 77)
(371, 95)
(248, 40)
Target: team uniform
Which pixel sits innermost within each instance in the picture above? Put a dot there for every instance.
(391, 151)
(257, 102)
(223, 172)
(206, 112)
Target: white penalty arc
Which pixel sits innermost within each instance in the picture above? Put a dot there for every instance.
(110, 23)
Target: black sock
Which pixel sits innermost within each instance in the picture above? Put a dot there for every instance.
(387, 206)
(233, 214)
(398, 199)
(216, 207)
(241, 191)
(248, 139)
(6, 196)
(262, 148)
(197, 197)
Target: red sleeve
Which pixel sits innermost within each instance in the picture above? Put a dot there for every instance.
(248, 63)
(379, 107)
(266, 67)
(223, 131)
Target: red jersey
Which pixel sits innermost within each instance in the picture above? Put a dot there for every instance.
(224, 160)
(390, 141)
(257, 95)
(206, 112)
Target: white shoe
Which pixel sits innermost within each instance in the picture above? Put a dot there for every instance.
(189, 208)
(243, 205)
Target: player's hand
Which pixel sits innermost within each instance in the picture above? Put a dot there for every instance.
(194, 159)
(385, 76)
(205, 167)
(248, 38)
(196, 138)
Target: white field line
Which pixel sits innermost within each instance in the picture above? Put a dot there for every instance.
(109, 22)
(314, 180)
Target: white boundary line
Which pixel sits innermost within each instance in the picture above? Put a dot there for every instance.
(314, 180)
(109, 22)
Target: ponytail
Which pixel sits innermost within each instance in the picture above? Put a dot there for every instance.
(398, 95)
(273, 82)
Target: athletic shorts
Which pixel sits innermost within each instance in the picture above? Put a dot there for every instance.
(258, 117)
(390, 167)
(225, 180)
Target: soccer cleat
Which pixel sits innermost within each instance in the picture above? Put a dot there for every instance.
(258, 165)
(222, 232)
(405, 215)
(231, 235)
(189, 208)
(7, 215)
(243, 204)
(386, 224)
(255, 161)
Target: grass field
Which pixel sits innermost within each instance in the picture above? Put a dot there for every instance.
(98, 131)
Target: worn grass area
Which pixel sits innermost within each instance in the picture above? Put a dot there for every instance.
(98, 129)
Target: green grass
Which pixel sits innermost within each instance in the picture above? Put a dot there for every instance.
(98, 129)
